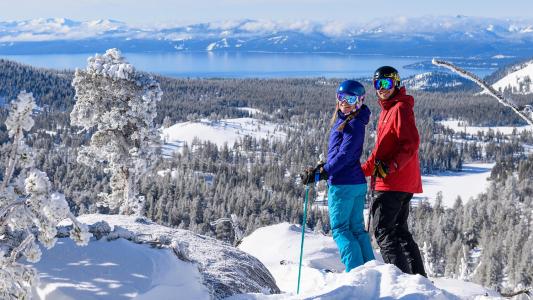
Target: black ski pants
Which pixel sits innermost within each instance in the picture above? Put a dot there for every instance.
(390, 211)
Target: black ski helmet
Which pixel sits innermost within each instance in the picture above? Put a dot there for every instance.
(388, 72)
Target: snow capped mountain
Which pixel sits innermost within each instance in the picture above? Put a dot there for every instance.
(428, 36)
(518, 79)
(438, 81)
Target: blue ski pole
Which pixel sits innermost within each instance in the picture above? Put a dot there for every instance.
(317, 178)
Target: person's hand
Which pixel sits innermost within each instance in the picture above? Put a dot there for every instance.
(309, 174)
(320, 169)
(381, 169)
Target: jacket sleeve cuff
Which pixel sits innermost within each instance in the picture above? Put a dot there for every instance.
(367, 169)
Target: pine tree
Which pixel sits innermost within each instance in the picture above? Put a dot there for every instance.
(119, 105)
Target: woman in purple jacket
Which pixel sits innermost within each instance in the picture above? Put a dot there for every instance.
(347, 183)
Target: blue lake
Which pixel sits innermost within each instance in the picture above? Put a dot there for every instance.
(242, 65)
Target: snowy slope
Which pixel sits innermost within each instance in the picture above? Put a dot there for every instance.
(518, 81)
(122, 266)
(115, 270)
(437, 81)
(373, 280)
(219, 132)
(122, 269)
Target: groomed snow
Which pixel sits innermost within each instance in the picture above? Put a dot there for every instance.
(468, 183)
(219, 132)
(117, 269)
(374, 280)
(517, 80)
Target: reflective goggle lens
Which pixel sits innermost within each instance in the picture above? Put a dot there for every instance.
(384, 83)
(350, 99)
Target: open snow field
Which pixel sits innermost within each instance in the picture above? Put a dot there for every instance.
(219, 132)
(468, 183)
(374, 280)
(459, 126)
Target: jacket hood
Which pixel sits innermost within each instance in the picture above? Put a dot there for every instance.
(399, 96)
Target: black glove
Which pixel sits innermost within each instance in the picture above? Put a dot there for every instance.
(381, 169)
(308, 175)
(323, 174)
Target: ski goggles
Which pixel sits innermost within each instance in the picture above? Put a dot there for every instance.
(384, 83)
(350, 99)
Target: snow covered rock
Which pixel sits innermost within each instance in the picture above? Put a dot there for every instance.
(222, 270)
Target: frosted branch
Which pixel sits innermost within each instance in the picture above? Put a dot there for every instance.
(525, 113)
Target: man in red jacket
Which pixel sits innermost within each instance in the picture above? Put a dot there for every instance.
(395, 171)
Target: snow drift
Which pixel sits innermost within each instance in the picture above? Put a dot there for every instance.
(186, 265)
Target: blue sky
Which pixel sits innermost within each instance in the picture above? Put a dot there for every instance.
(191, 11)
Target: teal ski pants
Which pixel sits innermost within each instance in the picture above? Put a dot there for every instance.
(346, 203)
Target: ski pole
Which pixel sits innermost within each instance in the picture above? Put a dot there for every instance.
(317, 177)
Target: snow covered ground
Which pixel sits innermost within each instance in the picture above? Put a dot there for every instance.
(459, 126)
(374, 280)
(470, 182)
(518, 81)
(121, 269)
(219, 132)
(116, 269)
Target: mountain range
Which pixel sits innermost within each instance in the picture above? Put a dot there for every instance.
(461, 36)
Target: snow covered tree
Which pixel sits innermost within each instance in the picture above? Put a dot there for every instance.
(118, 104)
(427, 252)
(29, 210)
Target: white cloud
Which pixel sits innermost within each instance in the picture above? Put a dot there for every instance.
(337, 29)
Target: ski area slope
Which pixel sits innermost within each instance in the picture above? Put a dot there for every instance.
(519, 81)
(226, 131)
(374, 280)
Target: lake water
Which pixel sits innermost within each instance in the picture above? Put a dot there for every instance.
(242, 65)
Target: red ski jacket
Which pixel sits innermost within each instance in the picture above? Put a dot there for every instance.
(396, 145)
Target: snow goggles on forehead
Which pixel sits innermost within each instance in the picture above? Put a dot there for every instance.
(384, 83)
(350, 99)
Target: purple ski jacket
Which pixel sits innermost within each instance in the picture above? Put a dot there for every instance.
(345, 148)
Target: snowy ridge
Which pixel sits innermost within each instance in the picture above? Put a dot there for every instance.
(374, 280)
(436, 81)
